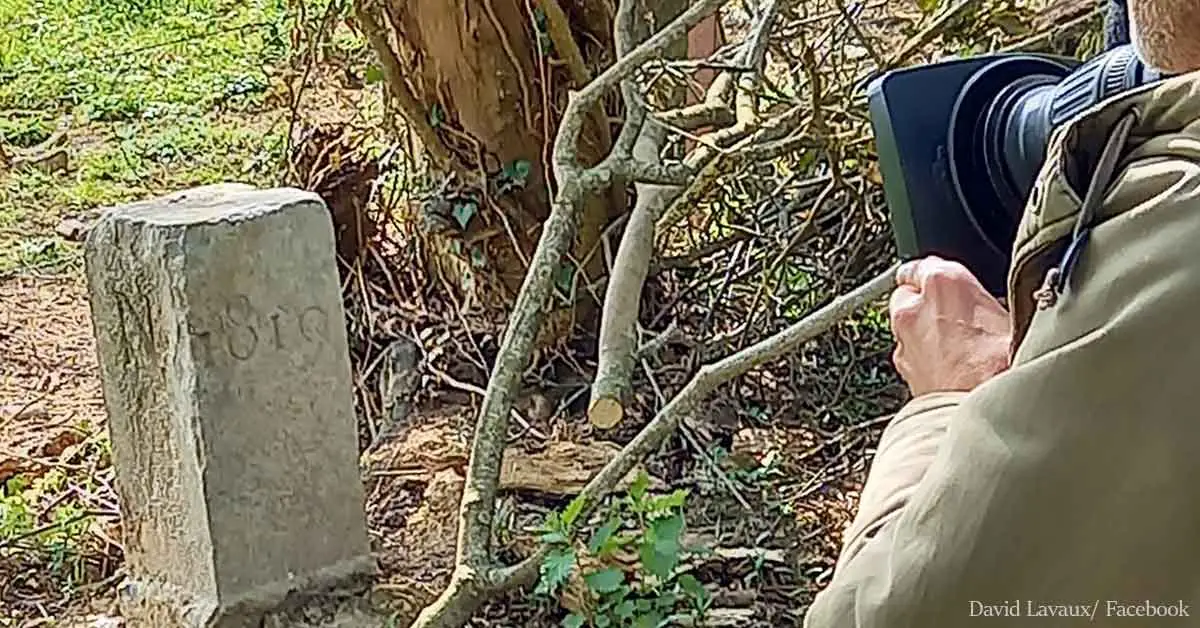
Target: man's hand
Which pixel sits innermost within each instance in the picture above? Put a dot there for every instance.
(951, 335)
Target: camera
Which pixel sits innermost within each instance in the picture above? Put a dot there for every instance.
(960, 143)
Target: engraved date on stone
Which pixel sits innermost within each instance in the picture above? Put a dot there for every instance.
(244, 330)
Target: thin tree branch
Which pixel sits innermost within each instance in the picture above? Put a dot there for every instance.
(568, 131)
(559, 29)
(618, 324)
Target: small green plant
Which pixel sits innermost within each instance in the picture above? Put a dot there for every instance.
(57, 531)
(653, 591)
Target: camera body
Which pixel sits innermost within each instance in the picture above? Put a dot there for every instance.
(960, 143)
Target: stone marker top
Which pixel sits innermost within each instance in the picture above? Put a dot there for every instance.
(221, 203)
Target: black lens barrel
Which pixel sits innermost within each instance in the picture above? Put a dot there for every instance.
(1026, 112)
(1003, 120)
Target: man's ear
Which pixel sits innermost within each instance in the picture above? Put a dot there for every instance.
(1166, 33)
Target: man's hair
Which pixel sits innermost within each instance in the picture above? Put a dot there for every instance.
(1167, 33)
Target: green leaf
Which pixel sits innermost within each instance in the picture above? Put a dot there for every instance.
(373, 75)
(649, 620)
(624, 610)
(660, 549)
(573, 621)
(928, 6)
(436, 116)
(599, 544)
(602, 621)
(478, 257)
(692, 587)
(571, 512)
(667, 530)
(555, 569)
(605, 581)
(518, 171)
(668, 502)
(637, 489)
(554, 538)
(566, 277)
(464, 211)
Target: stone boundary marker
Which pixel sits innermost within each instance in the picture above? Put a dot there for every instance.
(226, 375)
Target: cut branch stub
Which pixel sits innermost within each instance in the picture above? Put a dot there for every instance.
(606, 412)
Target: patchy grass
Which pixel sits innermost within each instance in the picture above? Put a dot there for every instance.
(120, 162)
(155, 96)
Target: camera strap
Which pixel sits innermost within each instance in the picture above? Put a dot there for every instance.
(1058, 277)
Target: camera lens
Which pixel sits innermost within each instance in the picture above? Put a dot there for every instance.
(980, 127)
(1002, 123)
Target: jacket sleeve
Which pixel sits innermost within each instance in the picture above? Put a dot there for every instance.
(1069, 478)
(905, 450)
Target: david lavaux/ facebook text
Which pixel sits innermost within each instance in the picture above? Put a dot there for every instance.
(1090, 609)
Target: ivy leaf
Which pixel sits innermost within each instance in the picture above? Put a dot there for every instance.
(463, 212)
(555, 569)
(373, 75)
(436, 116)
(624, 610)
(573, 621)
(605, 581)
(518, 172)
(566, 276)
(478, 257)
(602, 621)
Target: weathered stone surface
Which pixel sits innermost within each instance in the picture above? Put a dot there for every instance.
(226, 376)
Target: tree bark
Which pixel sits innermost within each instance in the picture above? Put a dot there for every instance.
(482, 83)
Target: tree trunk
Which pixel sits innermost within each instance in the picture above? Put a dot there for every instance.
(483, 82)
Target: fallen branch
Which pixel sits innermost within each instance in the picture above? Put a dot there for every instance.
(618, 322)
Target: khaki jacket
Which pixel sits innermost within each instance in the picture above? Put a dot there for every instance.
(1071, 482)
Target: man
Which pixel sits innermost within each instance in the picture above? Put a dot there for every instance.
(1047, 469)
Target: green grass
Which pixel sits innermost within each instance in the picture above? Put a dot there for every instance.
(116, 60)
(158, 95)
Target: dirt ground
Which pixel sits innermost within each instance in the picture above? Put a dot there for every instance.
(48, 374)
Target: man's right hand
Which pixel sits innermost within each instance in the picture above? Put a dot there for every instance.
(951, 334)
